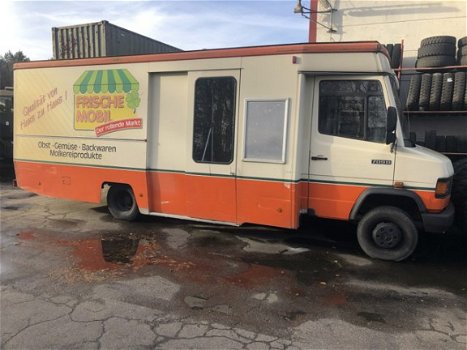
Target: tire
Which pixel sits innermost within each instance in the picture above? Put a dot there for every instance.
(390, 47)
(440, 144)
(463, 60)
(458, 91)
(430, 139)
(413, 94)
(459, 194)
(465, 94)
(437, 50)
(435, 91)
(435, 61)
(387, 233)
(425, 87)
(122, 203)
(462, 42)
(442, 39)
(396, 56)
(462, 144)
(451, 144)
(446, 92)
(463, 51)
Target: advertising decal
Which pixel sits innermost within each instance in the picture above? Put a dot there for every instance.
(106, 101)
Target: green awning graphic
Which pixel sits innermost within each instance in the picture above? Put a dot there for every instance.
(102, 81)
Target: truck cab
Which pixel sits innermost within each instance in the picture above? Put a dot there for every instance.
(363, 166)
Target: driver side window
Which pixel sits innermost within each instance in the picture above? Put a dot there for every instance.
(352, 109)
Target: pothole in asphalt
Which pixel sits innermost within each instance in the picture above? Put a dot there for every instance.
(10, 207)
(20, 195)
(371, 317)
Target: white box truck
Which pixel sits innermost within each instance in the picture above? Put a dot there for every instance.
(256, 135)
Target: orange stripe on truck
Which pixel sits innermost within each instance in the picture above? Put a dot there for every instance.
(333, 201)
(228, 199)
(77, 182)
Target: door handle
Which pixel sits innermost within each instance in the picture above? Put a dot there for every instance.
(319, 158)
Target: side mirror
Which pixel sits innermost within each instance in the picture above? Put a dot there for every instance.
(391, 124)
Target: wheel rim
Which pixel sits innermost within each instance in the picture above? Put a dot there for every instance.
(124, 201)
(387, 235)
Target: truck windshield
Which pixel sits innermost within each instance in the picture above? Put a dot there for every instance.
(402, 117)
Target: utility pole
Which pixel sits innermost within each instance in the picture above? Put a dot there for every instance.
(313, 26)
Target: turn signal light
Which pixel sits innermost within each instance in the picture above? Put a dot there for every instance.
(443, 188)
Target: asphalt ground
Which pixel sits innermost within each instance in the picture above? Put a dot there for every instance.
(73, 277)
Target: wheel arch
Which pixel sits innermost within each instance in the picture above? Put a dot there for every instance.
(371, 198)
(114, 183)
(122, 203)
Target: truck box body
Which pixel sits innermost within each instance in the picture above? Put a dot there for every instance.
(247, 135)
(102, 39)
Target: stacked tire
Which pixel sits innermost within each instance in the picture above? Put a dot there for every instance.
(395, 54)
(437, 51)
(444, 89)
(441, 143)
(437, 92)
(462, 51)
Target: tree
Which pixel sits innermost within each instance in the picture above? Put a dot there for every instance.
(6, 67)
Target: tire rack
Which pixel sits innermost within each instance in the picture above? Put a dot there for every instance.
(433, 114)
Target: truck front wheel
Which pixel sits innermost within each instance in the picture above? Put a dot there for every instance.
(387, 233)
(122, 203)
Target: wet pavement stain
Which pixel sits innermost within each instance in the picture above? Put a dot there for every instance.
(66, 223)
(119, 250)
(19, 195)
(26, 235)
(294, 315)
(208, 256)
(335, 299)
(108, 256)
(88, 255)
(255, 275)
(371, 317)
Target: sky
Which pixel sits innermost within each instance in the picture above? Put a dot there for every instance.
(188, 25)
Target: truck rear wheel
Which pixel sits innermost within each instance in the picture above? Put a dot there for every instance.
(387, 233)
(122, 203)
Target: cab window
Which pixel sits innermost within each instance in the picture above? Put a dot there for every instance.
(352, 109)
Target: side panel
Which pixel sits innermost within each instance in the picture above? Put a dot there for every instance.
(79, 127)
(77, 182)
(268, 190)
(168, 98)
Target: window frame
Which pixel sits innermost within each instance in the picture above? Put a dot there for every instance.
(234, 114)
(282, 159)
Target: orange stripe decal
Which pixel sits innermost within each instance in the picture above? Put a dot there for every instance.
(333, 201)
(217, 198)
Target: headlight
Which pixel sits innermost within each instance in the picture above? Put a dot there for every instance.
(443, 187)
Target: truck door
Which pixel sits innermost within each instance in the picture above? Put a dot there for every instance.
(348, 152)
(211, 158)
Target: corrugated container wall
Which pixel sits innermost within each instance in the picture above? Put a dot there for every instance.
(102, 39)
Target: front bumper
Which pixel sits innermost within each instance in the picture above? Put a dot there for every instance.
(439, 222)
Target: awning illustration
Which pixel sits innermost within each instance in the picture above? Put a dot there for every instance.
(103, 81)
